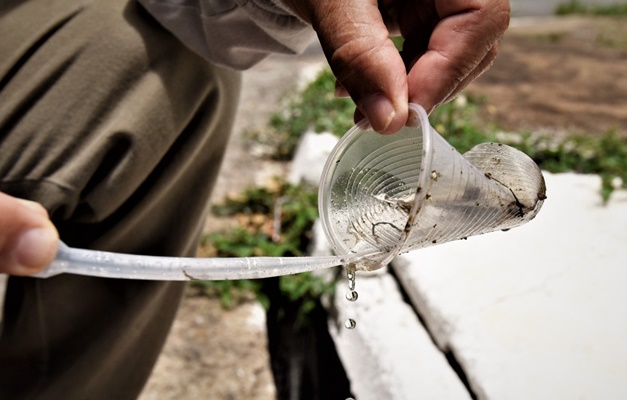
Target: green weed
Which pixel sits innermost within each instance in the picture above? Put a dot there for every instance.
(274, 221)
(605, 156)
(316, 108)
(576, 7)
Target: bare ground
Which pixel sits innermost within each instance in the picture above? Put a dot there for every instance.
(569, 75)
(565, 74)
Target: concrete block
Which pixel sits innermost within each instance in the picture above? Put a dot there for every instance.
(536, 312)
(310, 157)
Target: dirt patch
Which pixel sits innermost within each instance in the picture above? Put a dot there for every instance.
(214, 353)
(563, 75)
(557, 75)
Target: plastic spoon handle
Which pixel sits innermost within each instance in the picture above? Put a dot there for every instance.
(128, 266)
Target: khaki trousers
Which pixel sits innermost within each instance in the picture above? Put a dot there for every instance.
(119, 131)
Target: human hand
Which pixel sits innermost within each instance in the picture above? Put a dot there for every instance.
(447, 44)
(28, 240)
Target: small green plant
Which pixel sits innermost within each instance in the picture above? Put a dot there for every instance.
(579, 8)
(316, 108)
(605, 156)
(274, 221)
(278, 218)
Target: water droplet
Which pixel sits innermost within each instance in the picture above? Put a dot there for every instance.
(350, 274)
(352, 295)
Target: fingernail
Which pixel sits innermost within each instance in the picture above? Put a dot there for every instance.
(379, 111)
(35, 249)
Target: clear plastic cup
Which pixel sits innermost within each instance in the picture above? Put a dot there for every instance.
(389, 194)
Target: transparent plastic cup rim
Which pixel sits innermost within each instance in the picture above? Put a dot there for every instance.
(418, 118)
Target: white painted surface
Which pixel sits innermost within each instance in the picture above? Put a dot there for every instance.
(537, 312)
(311, 155)
(389, 355)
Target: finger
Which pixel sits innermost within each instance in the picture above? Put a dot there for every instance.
(459, 44)
(28, 240)
(364, 60)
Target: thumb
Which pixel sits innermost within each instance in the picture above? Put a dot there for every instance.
(28, 239)
(364, 60)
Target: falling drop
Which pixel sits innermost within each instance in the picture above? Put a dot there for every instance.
(351, 295)
(350, 274)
